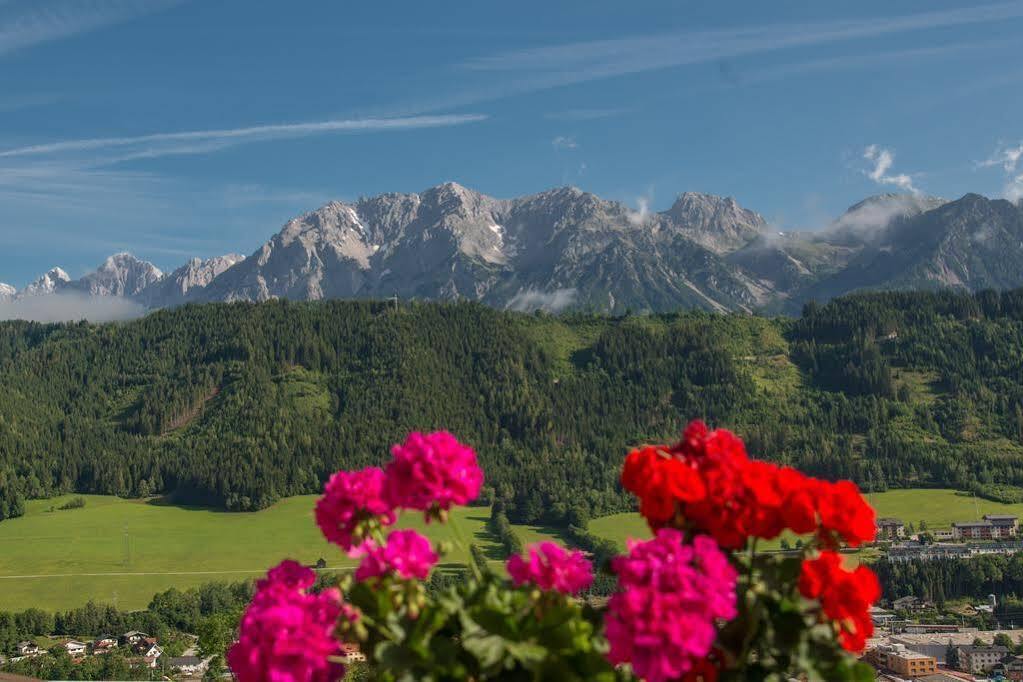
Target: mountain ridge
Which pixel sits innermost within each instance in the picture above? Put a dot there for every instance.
(568, 248)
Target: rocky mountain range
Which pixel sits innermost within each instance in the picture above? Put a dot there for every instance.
(566, 248)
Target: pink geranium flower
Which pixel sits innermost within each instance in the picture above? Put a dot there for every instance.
(349, 499)
(661, 620)
(432, 471)
(552, 567)
(406, 554)
(286, 634)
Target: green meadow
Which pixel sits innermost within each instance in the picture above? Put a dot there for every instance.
(123, 551)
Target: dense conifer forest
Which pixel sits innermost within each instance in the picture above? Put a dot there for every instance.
(236, 405)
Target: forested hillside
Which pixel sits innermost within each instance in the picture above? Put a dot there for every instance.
(237, 405)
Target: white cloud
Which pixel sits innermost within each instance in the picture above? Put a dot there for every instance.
(894, 58)
(565, 64)
(200, 141)
(550, 301)
(642, 213)
(562, 142)
(871, 216)
(78, 174)
(42, 21)
(1009, 158)
(882, 160)
(70, 307)
(1014, 190)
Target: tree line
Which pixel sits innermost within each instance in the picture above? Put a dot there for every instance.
(237, 405)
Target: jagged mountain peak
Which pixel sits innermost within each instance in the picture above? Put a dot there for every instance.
(124, 259)
(53, 280)
(716, 223)
(121, 274)
(182, 284)
(57, 275)
(7, 292)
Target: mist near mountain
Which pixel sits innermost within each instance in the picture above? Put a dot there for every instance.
(71, 306)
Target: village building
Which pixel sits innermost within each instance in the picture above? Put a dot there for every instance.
(191, 666)
(881, 617)
(1012, 668)
(908, 603)
(902, 661)
(133, 637)
(75, 648)
(105, 640)
(980, 659)
(104, 644)
(991, 527)
(149, 649)
(28, 649)
(972, 530)
(891, 529)
(1003, 525)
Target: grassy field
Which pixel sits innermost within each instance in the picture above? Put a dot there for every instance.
(123, 551)
(937, 508)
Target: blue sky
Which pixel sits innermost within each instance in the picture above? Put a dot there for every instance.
(178, 128)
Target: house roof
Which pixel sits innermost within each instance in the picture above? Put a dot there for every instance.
(1000, 517)
(972, 524)
(889, 521)
(184, 660)
(984, 649)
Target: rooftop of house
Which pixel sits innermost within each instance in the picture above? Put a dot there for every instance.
(972, 524)
(184, 660)
(889, 521)
(996, 649)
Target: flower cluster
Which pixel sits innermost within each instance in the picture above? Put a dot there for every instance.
(708, 483)
(845, 596)
(429, 472)
(287, 634)
(406, 554)
(662, 619)
(350, 499)
(675, 615)
(432, 471)
(552, 567)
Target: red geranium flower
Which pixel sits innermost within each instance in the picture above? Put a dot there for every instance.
(845, 596)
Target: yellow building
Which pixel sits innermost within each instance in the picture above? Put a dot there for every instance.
(902, 661)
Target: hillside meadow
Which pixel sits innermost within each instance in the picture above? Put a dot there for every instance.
(123, 551)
